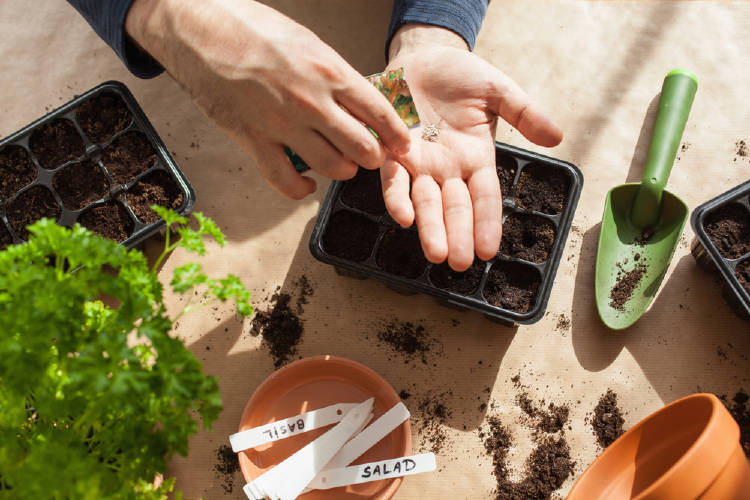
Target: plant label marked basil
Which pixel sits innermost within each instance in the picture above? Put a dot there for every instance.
(374, 471)
(291, 426)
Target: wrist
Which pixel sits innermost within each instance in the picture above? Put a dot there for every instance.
(412, 37)
(146, 24)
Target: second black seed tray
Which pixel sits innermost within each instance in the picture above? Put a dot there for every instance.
(95, 160)
(355, 234)
(722, 242)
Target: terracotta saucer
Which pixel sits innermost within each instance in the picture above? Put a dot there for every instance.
(309, 384)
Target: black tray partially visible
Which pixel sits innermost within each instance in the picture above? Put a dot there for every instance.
(164, 162)
(422, 284)
(709, 257)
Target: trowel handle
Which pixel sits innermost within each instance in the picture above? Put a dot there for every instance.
(676, 99)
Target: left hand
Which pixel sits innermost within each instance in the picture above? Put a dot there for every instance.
(455, 191)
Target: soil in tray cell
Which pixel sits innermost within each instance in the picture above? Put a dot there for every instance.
(527, 237)
(543, 188)
(55, 143)
(81, 183)
(103, 116)
(464, 283)
(30, 206)
(128, 156)
(743, 274)
(401, 253)
(16, 170)
(512, 286)
(506, 170)
(110, 220)
(729, 230)
(364, 192)
(350, 236)
(5, 237)
(156, 188)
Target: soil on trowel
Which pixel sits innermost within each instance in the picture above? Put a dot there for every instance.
(607, 421)
(280, 323)
(350, 236)
(627, 282)
(364, 192)
(743, 274)
(103, 116)
(464, 283)
(527, 237)
(227, 464)
(110, 220)
(156, 188)
(543, 188)
(30, 206)
(739, 407)
(80, 183)
(512, 286)
(55, 143)
(729, 230)
(16, 170)
(506, 170)
(128, 156)
(401, 253)
(410, 341)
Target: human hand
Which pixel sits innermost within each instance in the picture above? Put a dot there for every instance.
(455, 192)
(269, 82)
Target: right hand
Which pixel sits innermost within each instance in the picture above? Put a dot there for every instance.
(269, 82)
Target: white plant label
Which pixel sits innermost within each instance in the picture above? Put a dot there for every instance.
(374, 471)
(288, 427)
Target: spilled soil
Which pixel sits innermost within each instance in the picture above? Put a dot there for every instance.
(412, 342)
(227, 464)
(607, 421)
(739, 407)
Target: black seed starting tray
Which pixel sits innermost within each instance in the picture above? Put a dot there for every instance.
(540, 194)
(97, 161)
(722, 243)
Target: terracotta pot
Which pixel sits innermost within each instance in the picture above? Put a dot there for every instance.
(687, 450)
(317, 382)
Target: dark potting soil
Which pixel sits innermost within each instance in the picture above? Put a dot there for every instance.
(549, 420)
(743, 274)
(739, 407)
(527, 237)
(350, 236)
(432, 414)
(156, 188)
(401, 253)
(110, 220)
(512, 286)
(128, 156)
(5, 237)
(227, 464)
(80, 183)
(607, 421)
(543, 188)
(627, 282)
(729, 230)
(364, 192)
(16, 170)
(465, 283)
(30, 206)
(742, 149)
(506, 170)
(409, 340)
(103, 116)
(280, 324)
(55, 143)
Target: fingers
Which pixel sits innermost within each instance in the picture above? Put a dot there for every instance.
(459, 224)
(353, 139)
(484, 188)
(428, 209)
(279, 172)
(366, 102)
(322, 157)
(517, 108)
(395, 181)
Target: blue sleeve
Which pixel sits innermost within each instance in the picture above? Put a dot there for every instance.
(107, 17)
(461, 16)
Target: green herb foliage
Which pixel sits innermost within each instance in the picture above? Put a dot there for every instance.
(95, 395)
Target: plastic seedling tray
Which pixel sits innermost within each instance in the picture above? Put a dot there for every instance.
(95, 160)
(355, 235)
(722, 242)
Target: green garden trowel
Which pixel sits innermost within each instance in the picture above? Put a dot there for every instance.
(642, 223)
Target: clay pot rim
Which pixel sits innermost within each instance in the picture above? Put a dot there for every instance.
(718, 424)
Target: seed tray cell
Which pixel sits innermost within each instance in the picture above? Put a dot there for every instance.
(722, 243)
(96, 160)
(355, 234)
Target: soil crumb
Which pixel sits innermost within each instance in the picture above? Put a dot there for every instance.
(608, 421)
(280, 324)
(412, 341)
(226, 465)
(563, 323)
(742, 149)
(432, 414)
(740, 409)
(626, 283)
